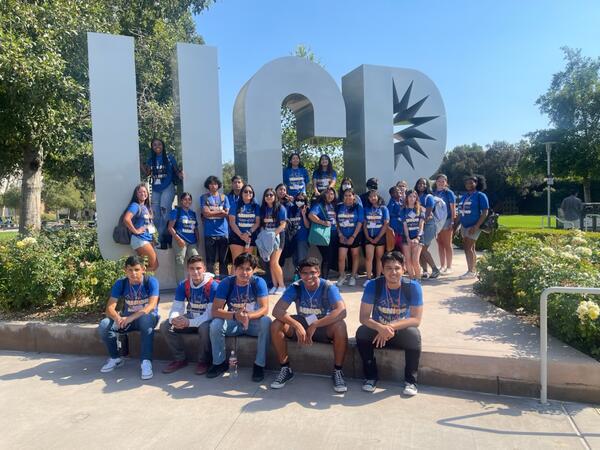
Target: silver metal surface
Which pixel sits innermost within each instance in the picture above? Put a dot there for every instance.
(396, 125)
(303, 86)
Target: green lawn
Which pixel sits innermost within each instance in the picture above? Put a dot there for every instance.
(525, 221)
(6, 235)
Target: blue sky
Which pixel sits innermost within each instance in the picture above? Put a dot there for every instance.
(490, 59)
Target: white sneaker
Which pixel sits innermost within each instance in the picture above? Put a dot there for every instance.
(111, 364)
(352, 281)
(448, 270)
(280, 290)
(369, 385)
(467, 276)
(443, 271)
(146, 369)
(410, 390)
(273, 290)
(341, 280)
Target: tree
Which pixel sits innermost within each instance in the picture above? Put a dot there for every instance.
(62, 195)
(460, 161)
(309, 149)
(572, 104)
(44, 105)
(11, 198)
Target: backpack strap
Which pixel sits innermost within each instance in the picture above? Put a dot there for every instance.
(188, 289)
(123, 280)
(207, 287)
(379, 285)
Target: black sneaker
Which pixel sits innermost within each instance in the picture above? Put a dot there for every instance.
(258, 373)
(219, 369)
(285, 374)
(339, 385)
(435, 274)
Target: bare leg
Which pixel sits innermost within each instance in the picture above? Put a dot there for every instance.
(339, 334)
(279, 330)
(147, 251)
(342, 253)
(369, 250)
(276, 271)
(378, 254)
(355, 260)
(406, 249)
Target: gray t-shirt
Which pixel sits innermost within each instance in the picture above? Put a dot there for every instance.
(571, 207)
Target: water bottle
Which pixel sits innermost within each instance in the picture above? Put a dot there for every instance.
(233, 365)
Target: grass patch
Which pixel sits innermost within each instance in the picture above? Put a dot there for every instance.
(519, 221)
(7, 235)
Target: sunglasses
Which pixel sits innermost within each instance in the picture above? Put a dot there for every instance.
(270, 195)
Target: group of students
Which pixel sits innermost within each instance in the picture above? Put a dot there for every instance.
(390, 314)
(279, 225)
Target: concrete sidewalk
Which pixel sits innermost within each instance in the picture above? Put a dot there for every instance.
(61, 401)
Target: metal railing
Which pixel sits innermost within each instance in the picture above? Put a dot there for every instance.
(544, 329)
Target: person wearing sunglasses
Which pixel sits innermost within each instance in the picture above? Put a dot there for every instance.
(244, 220)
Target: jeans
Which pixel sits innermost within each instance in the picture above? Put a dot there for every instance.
(162, 203)
(174, 340)
(181, 257)
(144, 324)
(408, 339)
(261, 328)
(216, 251)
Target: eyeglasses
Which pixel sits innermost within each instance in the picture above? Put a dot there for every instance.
(270, 195)
(312, 273)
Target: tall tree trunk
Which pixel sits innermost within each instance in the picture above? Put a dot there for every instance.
(587, 190)
(31, 190)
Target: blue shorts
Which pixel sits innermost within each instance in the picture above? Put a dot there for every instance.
(137, 242)
(429, 233)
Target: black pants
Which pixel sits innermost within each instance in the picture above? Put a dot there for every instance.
(408, 339)
(329, 255)
(216, 250)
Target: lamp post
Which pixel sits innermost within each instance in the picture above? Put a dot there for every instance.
(549, 178)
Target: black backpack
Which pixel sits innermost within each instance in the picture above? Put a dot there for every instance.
(324, 294)
(380, 286)
(253, 282)
(121, 234)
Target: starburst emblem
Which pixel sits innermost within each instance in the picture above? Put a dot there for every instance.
(406, 132)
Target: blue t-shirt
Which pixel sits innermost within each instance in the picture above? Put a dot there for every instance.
(448, 196)
(246, 216)
(295, 216)
(470, 208)
(348, 218)
(392, 305)
(197, 304)
(412, 220)
(427, 200)
(139, 219)
(375, 217)
(321, 180)
(268, 222)
(395, 210)
(215, 227)
(319, 302)
(232, 199)
(186, 224)
(136, 297)
(242, 297)
(318, 210)
(162, 174)
(295, 180)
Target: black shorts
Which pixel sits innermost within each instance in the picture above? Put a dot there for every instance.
(357, 243)
(320, 333)
(378, 243)
(234, 239)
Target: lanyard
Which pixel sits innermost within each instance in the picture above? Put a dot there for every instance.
(247, 297)
(388, 296)
(310, 297)
(135, 294)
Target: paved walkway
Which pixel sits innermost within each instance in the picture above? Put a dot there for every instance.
(61, 401)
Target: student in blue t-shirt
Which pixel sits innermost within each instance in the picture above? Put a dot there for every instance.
(324, 176)
(350, 217)
(297, 214)
(215, 210)
(241, 306)
(347, 183)
(413, 221)
(273, 220)
(444, 237)
(140, 313)
(320, 313)
(244, 221)
(138, 220)
(377, 219)
(323, 212)
(235, 194)
(427, 201)
(183, 226)
(191, 314)
(163, 169)
(395, 207)
(390, 314)
(473, 209)
(295, 176)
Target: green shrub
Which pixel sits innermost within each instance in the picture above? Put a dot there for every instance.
(522, 265)
(53, 268)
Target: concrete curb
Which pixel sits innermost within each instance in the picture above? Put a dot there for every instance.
(484, 373)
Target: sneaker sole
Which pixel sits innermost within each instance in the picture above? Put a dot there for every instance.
(147, 377)
(279, 386)
(340, 390)
(369, 390)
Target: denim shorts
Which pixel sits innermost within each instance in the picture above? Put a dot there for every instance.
(137, 242)
(473, 237)
(448, 224)
(429, 232)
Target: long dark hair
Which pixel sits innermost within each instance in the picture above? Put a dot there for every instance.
(479, 180)
(427, 186)
(240, 202)
(323, 196)
(380, 201)
(134, 198)
(300, 165)
(164, 153)
(340, 191)
(329, 164)
(264, 206)
(354, 204)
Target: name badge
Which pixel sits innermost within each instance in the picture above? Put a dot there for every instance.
(310, 319)
(151, 229)
(251, 306)
(157, 181)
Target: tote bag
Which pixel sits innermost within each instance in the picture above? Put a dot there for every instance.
(319, 234)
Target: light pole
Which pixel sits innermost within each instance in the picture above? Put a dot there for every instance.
(549, 178)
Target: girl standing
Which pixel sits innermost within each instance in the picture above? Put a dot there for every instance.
(324, 176)
(350, 219)
(377, 218)
(295, 176)
(244, 220)
(138, 219)
(273, 219)
(183, 226)
(323, 213)
(413, 219)
(444, 237)
(473, 210)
